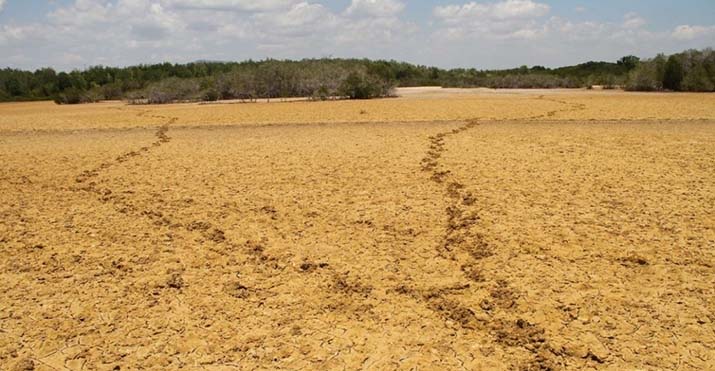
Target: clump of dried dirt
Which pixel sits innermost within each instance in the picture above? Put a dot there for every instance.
(308, 267)
(25, 365)
(633, 260)
(344, 284)
(216, 235)
(238, 291)
(456, 312)
(175, 281)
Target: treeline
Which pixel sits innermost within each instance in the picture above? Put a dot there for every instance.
(579, 76)
(163, 83)
(691, 70)
(318, 79)
(95, 82)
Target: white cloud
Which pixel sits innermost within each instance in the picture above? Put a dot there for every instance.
(2, 5)
(623, 35)
(519, 9)
(122, 32)
(633, 21)
(480, 33)
(17, 34)
(578, 30)
(524, 20)
(687, 32)
(233, 5)
(301, 20)
(365, 32)
(507, 9)
(455, 13)
(82, 12)
(508, 19)
(377, 8)
(489, 40)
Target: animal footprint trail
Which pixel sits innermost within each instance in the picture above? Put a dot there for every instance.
(259, 261)
(162, 137)
(461, 243)
(86, 182)
(466, 246)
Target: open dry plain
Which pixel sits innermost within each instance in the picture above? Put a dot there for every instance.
(445, 229)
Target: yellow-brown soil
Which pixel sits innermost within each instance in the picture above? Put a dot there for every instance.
(459, 230)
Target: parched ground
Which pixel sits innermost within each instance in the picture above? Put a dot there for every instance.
(447, 229)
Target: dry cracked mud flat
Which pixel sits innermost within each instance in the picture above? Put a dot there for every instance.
(458, 229)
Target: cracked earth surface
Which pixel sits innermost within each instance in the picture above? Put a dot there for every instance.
(539, 231)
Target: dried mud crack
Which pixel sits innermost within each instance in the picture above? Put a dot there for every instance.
(292, 236)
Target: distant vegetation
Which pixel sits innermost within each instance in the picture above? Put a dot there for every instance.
(323, 79)
(692, 70)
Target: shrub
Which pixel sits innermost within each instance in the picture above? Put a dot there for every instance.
(363, 86)
(321, 93)
(173, 90)
(76, 96)
(530, 81)
(354, 87)
(211, 95)
(112, 91)
(69, 96)
(644, 78)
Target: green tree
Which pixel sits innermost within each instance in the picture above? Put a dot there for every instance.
(673, 74)
(629, 62)
(697, 80)
(15, 87)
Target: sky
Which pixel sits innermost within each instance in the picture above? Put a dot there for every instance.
(484, 34)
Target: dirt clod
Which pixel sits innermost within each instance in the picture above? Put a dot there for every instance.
(175, 281)
(25, 365)
(307, 267)
(633, 260)
(216, 235)
(238, 291)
